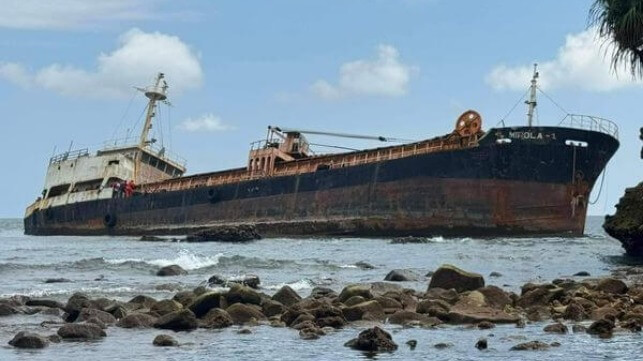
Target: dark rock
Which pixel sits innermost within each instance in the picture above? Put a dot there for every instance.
(607, 312)
(579, 328)
(574, 312)
(495, 274)
(201, 290)
(152, 239)
(431, 306)
(57, 280)
(142, 301)
(357, 312)
(81, 331)
(364, 265)
(602, 328)
(401, 275)
(407, 317)
(7, 310)
(625, 225)
(286, 296)
(373, 340)
(105, 317)
(612, 286)
(450, 296)
(555, 344)
(164, 307)
(185, 298)
(76, 302)
(136, 320)
(355, 290)
(243, 313)
(355, 300)
(331, 321)
(96, 321)
(183, 320)
(448, 276)
(233, 234)
(272, 308)
(539, 295)
(217, 280)
(244, 331)
(311, 333)
(482, 344)
(486, 325)
(582, 274)
(54, 338)
(165, 341)
(556, 328)
(495, 297)
(410, 240)
(206, 302)
(28, 340)
(322, 292)
(443, 345)
(217, 318)
(243, 294)
(531, 346)
(251, 281)
(412, 344)
(171, 270)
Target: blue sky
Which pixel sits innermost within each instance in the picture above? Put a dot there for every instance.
(404, 68)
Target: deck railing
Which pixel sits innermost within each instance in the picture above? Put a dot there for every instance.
(589, 122)
(69, 155)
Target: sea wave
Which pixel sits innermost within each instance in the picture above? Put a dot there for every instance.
(185, 259)
(296, 285)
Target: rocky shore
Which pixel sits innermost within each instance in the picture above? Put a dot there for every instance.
(604, 308)
(626, 224)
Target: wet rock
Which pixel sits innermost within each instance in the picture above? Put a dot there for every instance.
(54, 338)
(539, 295)
(443, 345)
(412, 344)
(243, 294)
(141, 301)
(388, 303)
(408, 317)
(604, 312)
(201, 290)
(327, 315)
(81, 331)
(272, 308)
(251, 281)
(364, 265)
(626, 224)
(171, 270)
(286, 296)
(495, 297)
(183, 320)
(355, 290)
(96, 321)
(164, 307)
(165, 341)
(612, 286)
(152, 239)
(322, 292)
(217, 318)
(243, 313)
(28, 340)
(8, 310)
(603, 328)
(233, 234)
(582, 274)
(401, 275)
(217, 280)
(384, 288)
(311, 333)
(207, 301)
(244, 331)
(538, 313)
(432, 307)
(482, 344)
(472, 307)
(495, 274)
(105, 317)
(530, 346)
(449, 296)
(75, 303)
(556, 328)
(410, 240)
(373, 340)
(355, 300)
(574, 312)
(136, 320)
(449, 276)
(185, 298)
(485, 325)
(57, 280)
(357, 312)
(579, 328)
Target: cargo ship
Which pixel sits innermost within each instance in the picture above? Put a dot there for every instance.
(505, 181)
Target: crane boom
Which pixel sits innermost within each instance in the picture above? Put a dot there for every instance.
(342, 135)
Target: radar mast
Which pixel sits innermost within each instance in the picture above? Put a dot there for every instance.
(532, 102)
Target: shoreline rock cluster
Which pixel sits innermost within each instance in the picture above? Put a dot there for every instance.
(453, 297)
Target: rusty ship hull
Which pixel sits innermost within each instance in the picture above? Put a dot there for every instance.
(510, 182)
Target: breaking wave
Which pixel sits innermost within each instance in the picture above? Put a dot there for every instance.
(185, 259)
(297, 285)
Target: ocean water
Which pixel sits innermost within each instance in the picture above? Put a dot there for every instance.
(121, 268)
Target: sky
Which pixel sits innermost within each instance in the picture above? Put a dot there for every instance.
(398, 68)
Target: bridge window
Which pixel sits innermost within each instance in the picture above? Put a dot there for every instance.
(58, 190)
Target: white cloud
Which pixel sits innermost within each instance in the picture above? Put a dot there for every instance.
(583, 62)
(384, 76)
(136, 61)
(15, 73)
(206, 122)
(64, 14)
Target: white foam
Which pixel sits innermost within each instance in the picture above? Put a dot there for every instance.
(348, 266)
(297, 285)
(54, 292)
(185, 259)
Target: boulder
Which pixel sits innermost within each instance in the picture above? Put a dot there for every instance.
(322, 292)
(105, 317)
(408, 317)
(244, 331)
(612, 286)
(495, 274)
(243, 313)
(443, 345)
(7, 309)
(272, 308)
(412, 344)
(451, 296)
(185, 298)
(286, 296)
(75, 303)
(472, 308)
(495, 297)
(136, 320)
(364, 265)
(57, 280)
(81, 331)
(482, 344)
(448, 276)
(410, 240)
(582, 274)
(574, 312)
(251, 281)
(579, 328)
(432, 306)
(604, 312)
(164, 307)
(207, 301)
(602, 328)
(234, 234)
(311, 333)
(141, 301)
(243, 294)
(171, 270)
(401, 275)
(164, 341)
(354, 300)
(183, 320)
(28, 340)
(373, 340)
(217, 318)
(384, 288)
(539, 295)
(43, 302)
(556, 328)
(530, 346)
(355, 290)
(357, 312)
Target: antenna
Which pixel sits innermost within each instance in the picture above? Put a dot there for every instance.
(532, 102)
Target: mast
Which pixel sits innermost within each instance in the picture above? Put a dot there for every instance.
(531, 103)
(155, 93)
